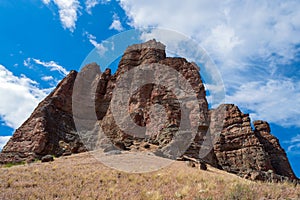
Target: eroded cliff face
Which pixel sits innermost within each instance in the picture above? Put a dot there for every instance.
(49, 130)
(233, 145)
(253, 154)
(141, 102)
(276, 154)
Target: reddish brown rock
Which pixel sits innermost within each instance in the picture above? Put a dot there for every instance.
(236, 146)
(277, 155)
(151, 54)
(50, 123)
(255, 154)
(223, 137)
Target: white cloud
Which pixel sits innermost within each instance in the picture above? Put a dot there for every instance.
(116, 24)
(3, 141)
(276, 101)
(294, 145)
(19, 96)
(230, 30)
(53, 66)
(234, 30)
(26, 62)
(250, 41)
(68, 12)
(89, 4)
(296, 139)
(294, 149)
(47, 78)
(99, 46)
(46, 1)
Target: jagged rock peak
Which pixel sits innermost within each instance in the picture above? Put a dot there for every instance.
(145, 53)
(261, 125)
(151, 44)
(92, 67)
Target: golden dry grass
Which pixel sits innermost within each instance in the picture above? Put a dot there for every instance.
(81, 176)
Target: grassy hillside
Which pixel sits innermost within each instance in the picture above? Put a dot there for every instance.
(81, 176)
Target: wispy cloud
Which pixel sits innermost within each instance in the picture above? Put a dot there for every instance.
(276, 101)
(3, 141)
(47, 78)
(294, 145)
(116, 24)
(26, 62)
(68, 12)
(46, 1)
(99, 46)
(19, 96)
(89, 4)
(53, 66)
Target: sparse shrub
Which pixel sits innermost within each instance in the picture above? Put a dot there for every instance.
(14, 164)
(200, 198)
(240, 192)
(79, 177)
(152, 195)
(9, 183)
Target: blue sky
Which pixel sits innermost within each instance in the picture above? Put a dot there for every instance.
(255, 46)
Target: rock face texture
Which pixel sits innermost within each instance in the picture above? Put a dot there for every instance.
(49, 130)
(253, 154)
(141, 102)
(276, 154)
(80, 115)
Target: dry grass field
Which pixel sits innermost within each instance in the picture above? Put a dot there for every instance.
(81, 176)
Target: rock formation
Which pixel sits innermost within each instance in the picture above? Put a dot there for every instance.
(49, 130)
(77, 115)
(253, 154)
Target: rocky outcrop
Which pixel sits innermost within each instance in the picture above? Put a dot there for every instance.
(276, 154)
(253, 154)
(145, 99)
(160, 107)
(49, 130)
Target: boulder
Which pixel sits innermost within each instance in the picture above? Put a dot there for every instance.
(47, 158)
